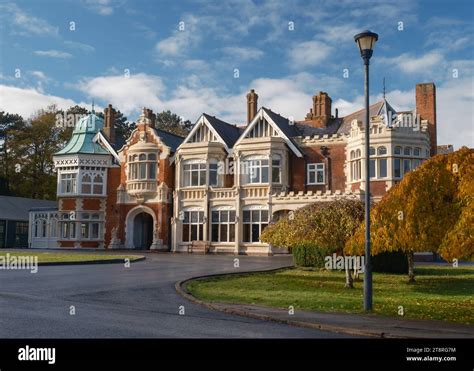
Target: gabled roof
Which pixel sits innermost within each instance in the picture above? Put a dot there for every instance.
(171, 140)
(225, 133)
(281, 125)
(17, 208)
(228, 132)
(376, 109)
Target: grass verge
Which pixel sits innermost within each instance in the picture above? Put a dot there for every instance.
(440, 293)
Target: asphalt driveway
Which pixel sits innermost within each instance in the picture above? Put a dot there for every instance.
(112, 301)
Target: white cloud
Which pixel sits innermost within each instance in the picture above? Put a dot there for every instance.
(24, 23)
(415, 64)
(129, 94)
(181, 40)
(102, 7)
(308, 53)
(454, 105)
(53, 54)
(243, 53)
(27, 101)
(86, 48)
(455, 113)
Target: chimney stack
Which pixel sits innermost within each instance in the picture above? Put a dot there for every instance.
(426, 109)
(151, 116)
(320, 114)
(109, 123)
(252, 105)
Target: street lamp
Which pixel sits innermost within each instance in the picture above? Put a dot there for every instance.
(366, 41)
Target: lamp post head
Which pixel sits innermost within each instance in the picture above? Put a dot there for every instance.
(366, 41)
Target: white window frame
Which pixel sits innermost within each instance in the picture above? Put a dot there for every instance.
(230, 215)
(194, 166)
(316, 167)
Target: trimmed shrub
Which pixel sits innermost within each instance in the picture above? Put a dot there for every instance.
(390, 262)
(308, 255)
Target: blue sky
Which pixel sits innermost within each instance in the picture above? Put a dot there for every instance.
(184, 56)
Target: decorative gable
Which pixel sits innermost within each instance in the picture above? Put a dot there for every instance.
(203, 134)
(262, 129)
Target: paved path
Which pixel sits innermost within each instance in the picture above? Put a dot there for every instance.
(112, 301)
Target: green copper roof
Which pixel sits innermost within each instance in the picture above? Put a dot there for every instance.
(81, 140)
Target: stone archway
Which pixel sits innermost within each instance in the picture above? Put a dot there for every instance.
(139, 226)
(142, 231)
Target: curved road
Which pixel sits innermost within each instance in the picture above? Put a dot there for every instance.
(112, 301)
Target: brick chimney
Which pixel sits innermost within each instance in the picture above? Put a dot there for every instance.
(426, 109)
(320, 114)
(252, 105)
(109, 123)
(151, 116)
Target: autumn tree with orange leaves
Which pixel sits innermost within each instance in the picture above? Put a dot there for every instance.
(431, 209)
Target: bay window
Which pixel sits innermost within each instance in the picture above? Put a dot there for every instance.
(142, 166)
(194, 174)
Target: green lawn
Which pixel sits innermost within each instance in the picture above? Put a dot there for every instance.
(63, 257)
(442, 293)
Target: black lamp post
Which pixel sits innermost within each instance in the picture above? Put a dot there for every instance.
(366, 41)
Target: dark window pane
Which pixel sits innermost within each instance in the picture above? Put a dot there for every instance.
(224, 216)
(246, 234)
(194, 178)
(264, 215)
(255, 232)
(396, 168)
(194, 232)
(246, 216)
(372, 168)
(383, 168)
(202, 177)
(215, 216)
(265, 174)
(185, 232)
(215, 232)
(231, 232)
(255, 216)
(201, 235)
(223, 236)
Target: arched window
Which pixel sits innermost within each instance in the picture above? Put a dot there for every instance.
(381, 151)
(398, 150)
(407, 151)
(86, 184)
(98, 185)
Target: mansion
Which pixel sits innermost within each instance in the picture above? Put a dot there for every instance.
(217, 189)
